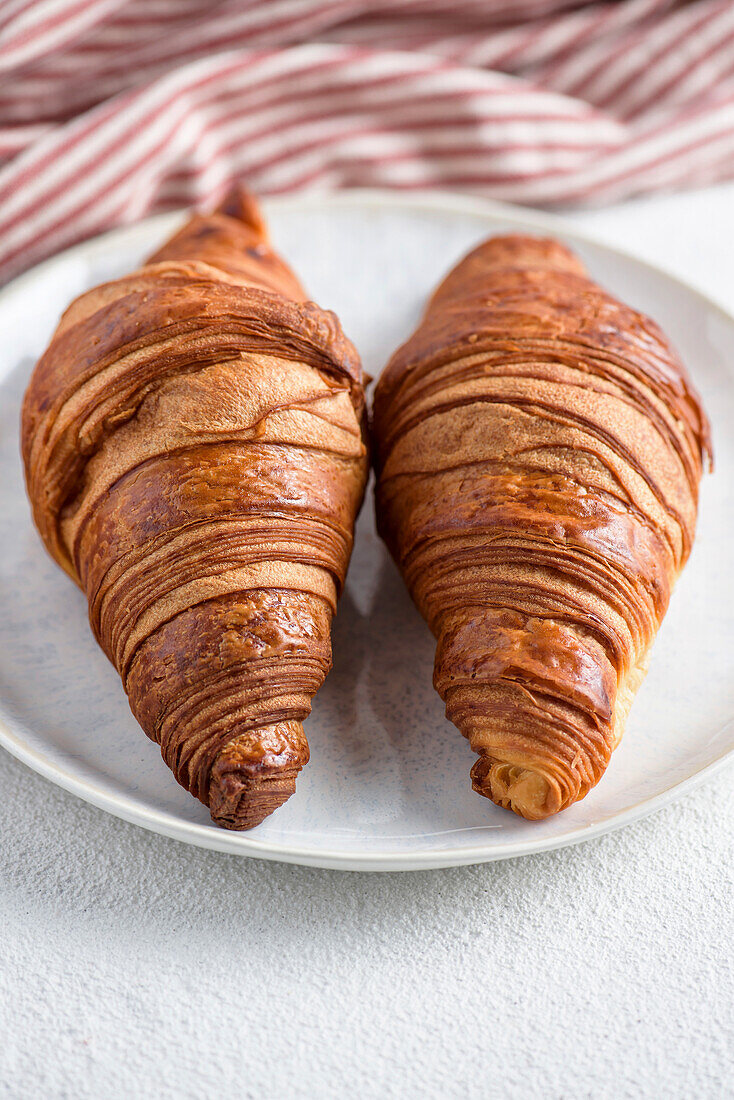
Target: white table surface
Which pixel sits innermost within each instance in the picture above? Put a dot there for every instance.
(135, 967)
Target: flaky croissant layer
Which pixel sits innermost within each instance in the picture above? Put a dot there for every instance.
(539, 449)
(194, 458)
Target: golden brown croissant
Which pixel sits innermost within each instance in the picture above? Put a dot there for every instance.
(539, 449)
(194, 458)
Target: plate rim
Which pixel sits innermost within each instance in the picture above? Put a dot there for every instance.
(236, 843)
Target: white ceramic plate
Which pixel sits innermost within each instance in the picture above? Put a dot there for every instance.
(388, 783)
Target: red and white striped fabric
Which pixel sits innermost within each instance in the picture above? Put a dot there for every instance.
(110, 109)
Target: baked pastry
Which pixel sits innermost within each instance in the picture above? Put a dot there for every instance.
(195, 460)
(538, 448)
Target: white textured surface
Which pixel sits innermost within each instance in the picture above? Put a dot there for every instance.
(133, 966)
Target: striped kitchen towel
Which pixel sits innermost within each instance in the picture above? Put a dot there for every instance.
(110, 109)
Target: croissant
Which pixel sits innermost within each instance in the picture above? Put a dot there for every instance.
(539, 449)
(195, 460)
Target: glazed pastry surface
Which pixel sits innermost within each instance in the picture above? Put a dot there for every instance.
(194, 457)
(539, 449)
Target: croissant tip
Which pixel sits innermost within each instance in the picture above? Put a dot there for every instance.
(255, 773)
(240, 801)
(525, 791)
(238, 203)
(529, 251)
